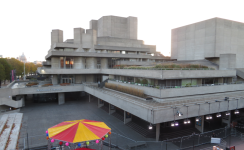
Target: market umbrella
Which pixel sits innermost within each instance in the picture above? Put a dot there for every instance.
(78, 131)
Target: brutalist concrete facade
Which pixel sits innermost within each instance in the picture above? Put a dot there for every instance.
(208, 39)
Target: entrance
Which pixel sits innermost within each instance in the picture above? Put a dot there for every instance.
(67, 80)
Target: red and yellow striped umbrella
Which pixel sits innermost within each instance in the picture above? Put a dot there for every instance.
(78, 131)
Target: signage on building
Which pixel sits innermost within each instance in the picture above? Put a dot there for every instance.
(48, 90)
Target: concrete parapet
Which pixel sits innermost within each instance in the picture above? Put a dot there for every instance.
(227, 61)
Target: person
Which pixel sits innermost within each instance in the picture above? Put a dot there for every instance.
(214, 135)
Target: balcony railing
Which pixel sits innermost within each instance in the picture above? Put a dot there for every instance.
(174, 87)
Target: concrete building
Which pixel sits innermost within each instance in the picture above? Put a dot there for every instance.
(208, 40)
(100, 54)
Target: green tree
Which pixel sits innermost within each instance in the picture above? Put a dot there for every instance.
(7, 68)
(17, 65)
(2, 74)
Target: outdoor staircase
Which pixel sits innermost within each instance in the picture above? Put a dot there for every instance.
(9, 130)
(180, 133)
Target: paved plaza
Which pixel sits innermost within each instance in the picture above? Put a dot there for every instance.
(38, 117)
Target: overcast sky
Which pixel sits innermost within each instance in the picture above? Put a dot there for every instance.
(26, 24)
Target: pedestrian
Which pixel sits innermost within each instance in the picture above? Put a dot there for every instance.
(213, 135)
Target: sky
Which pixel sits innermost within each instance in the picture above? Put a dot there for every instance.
(26, 25)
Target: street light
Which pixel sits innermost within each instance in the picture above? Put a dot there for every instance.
(236, 111)
(187, 121)
(218, 114)
(208, 117)
(198, 118)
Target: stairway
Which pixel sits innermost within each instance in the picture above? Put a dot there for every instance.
(180, 133)
(9, 130)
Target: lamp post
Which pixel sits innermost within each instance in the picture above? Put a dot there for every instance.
(24, 71)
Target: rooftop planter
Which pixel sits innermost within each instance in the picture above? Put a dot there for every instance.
(46, 85)
(64, 84)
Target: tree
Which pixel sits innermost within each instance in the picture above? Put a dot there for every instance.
(17, 65)
(2, 74)
(7, 68)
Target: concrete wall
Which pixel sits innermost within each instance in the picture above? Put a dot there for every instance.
(90, 78)
(208, 38)
(227, 61)
(55, 61)
(78, 35)
(91, 63)
(56, 36)
(79, 78)
(104, 63)
(178, 92)
(55, 79)
(107, 55)
(120, 27)
(151, 74)
(89, 39)
(79, 63)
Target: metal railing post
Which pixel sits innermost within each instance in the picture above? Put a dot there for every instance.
(181, 143)
(198, 139)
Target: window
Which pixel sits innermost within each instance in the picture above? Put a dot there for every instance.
(66, 62)
(61, 62)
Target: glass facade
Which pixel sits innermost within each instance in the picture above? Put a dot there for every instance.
(66, 62)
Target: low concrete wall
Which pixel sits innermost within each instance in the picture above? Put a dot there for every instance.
(50, 89)
(177, 92)
(151, 74)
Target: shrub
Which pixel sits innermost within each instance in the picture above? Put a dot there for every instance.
(138, 80)
(48, 84)
(144, 81)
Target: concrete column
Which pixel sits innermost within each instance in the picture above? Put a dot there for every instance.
(79, 63)
(91, 63)
(100, 103)
(111, 109)
(55, 61)
(127, 117)
(55, 79)
(200, 124)
(89, 98)
(61, 98)
(104, 63)
(157, 131)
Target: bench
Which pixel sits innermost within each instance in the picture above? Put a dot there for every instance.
(133, 145)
